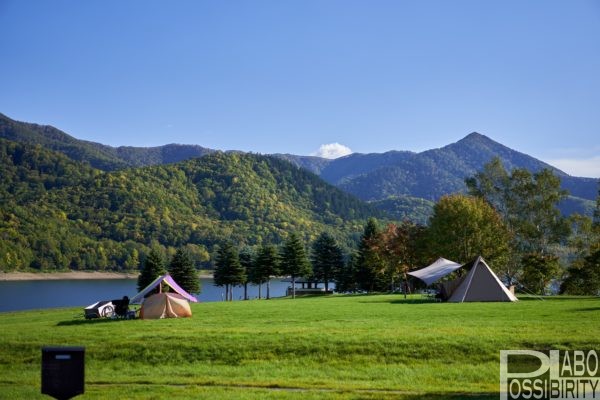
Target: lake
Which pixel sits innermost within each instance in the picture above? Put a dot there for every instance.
(28, 295)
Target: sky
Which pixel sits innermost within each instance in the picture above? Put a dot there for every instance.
(310, 77)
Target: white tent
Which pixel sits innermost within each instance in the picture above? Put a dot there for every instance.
(164, 305)
(481, 284)
(138, 298)
(440, 268)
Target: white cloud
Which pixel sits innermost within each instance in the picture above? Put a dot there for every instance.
(332, 150)
(586, 167)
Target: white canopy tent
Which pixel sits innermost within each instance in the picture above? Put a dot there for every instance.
(440, 268)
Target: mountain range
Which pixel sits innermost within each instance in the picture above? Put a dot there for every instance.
(403, 183)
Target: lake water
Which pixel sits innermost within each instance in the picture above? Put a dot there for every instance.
(28, 295)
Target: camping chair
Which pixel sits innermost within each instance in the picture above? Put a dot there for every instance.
(122, 308)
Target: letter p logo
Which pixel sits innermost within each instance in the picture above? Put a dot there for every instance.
(505, 375)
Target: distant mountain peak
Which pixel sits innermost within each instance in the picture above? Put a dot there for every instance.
(477, 137)
(476, 141)
(474, 134)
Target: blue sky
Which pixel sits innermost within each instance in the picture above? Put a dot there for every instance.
(289, 76)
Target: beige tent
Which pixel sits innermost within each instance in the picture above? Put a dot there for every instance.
(480, 284)
(165, 305)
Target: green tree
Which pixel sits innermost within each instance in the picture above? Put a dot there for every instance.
(265, 266)
(153, 267)
(463, 227)
(369, 264)
(294, 261)
(528, 204)
(229, 271)
(346, 279)
(583, 238)
(326, 258)
(183, 272)
(583, 275)
(584, 278)
(534, 210)
(596, 222)
(538, 271)
(132, 260)
(492, 184)
(247, 261)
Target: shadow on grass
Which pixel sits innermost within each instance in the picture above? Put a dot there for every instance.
(423, 300)
(587, 309)
(527, 297)
(76, 322)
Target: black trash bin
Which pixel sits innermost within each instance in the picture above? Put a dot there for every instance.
(63, 371)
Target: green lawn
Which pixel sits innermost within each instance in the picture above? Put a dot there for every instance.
(340, 347)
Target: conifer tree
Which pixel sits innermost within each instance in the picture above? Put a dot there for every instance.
(228, 271)
(182, 270)
(153, 267)
(265, 266)
(294, 261)
(597, 211)
(346, 278)
(247, 261)
(369, 266)
(326, 258)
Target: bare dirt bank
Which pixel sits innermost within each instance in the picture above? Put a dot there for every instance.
(75, 275)
(78, 275)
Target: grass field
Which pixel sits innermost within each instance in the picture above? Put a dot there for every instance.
(340, 347)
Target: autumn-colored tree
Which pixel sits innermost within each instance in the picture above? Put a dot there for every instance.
(398, 247)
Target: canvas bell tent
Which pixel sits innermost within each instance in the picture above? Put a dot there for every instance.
(172, 304)
(478, 284)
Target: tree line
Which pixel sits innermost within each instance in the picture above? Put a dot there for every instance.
(509, 218)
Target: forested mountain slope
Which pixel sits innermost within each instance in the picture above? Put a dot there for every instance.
(58, 213)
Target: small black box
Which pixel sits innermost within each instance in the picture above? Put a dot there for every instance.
(63, 371)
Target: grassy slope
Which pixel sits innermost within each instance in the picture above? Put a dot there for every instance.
(339, 347)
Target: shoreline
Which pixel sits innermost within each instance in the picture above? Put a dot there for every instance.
(68, 275)
(71, 275)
